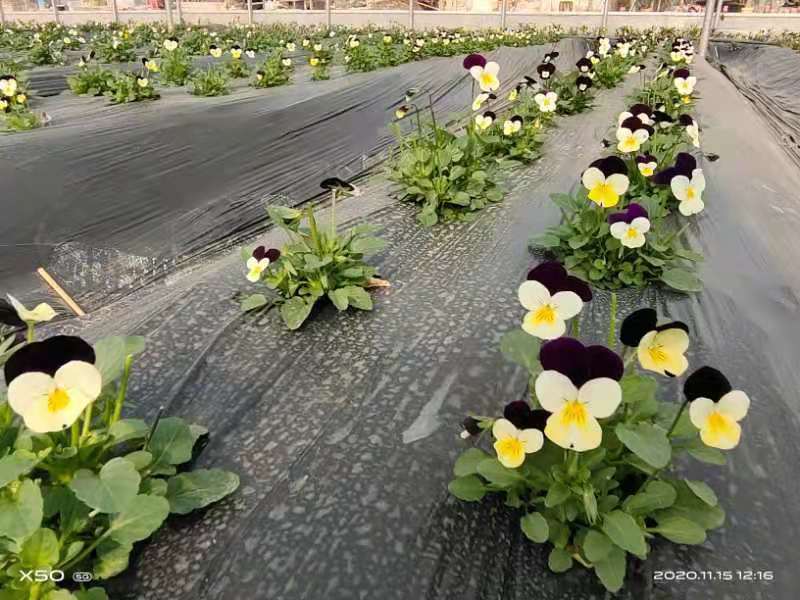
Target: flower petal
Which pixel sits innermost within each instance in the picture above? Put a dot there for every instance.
(554, 390)
(81, 378)
(532, 440)
(619, 183)
(533, 294)
(503, 428)
(601, 396)
(734, 404)
(565, 432)
(567, 304)
(699, 411)
(592, 177)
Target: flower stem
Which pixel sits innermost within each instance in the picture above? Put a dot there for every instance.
(612, 325)
(29, 336)
(677, 418)
(123, 389)
(75, 434)
(333, 213)
(576, 327)
(87, 421)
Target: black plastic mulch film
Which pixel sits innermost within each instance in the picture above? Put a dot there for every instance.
(345, 433)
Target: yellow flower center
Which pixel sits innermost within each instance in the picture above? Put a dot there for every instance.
(657, 353)
(630, 144)
(690, 193)
(57, 400)
(604, 194)
(574, 413)
(487, 79)
(510, 449)
(631, 233)
(544, 314)
(720, 427)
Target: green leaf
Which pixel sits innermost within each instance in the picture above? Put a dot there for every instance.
(698, 450)
(358, 297)
(111, 353)
(639, 391)
(171, 443)
(691, 507)
(59, 595)
(655, 496)
(648, 442)
(557, 494)
(469, 488)
(95, 593)
(682, 280)
(112, 559)
(139, 521)
(253, 302)
(128, 429)
(154, 486)
(15, 465)
(559, 560)
(624, 532)
(339, 298)
(546, 240)
(596, 545)
(196, 489)
(521, 348)
(295, 311)
(611, 569)
(679, 529)
(467, 463)
(494, 472)
(21, 512)
(703, 491)
(535, 527)
(112, 490)
(367, 245)
(140, 459)
(41, 549)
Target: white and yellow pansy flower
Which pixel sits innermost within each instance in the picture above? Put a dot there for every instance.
(606, 181)
(631, 141)
(512, 444)
(512, 125)
(486, 76)
(685, 85)
(573, 423)
(255, 268)
(546, 103)
(49, 404)
(631, 235)
(485, 120)
(547, 314)
(718, 422)
(662, 351)
(479, 100)
(40, 314)
(689, 192)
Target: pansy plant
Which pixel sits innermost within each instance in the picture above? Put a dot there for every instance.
(586, 460)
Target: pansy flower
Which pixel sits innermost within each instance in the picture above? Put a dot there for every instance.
(335, 184)
(631, 134)
(684, 82)
(286, 62)
(685, 164)
(514, 94)
(550, 57)
(546, 70)
(400, 111)
(8, 85)
(474, 60)
(257, 264)
(578, 385)
(236, 51)
(607, 180)
(485, 120)
(481, 98)
(646, 163)
(142, 82)
(512, 125)
(215, 51)
(715, 408)
(9, 315)
(529, 82)
(689, 192)
(51, 382)
(546, 103)
(150, 65)
(583, 83)
(692, 129)
(291, 47)
(630, 225)
(40, 314)
(659, 348)
(171, 43)
(522, 416)
(635, 69)
(512, 444)
(486, 76)
(551, 297)
(250, 53)
(584, 65)
(260, 76)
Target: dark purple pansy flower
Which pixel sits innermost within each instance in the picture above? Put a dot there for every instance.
(9, 316)
(584, 65)
(546, 70)
(684, 73)
(516, 119)
(48, 356)
(685, 163)
(583, 83)
(640, 109)
(706, 382)
(579, 363)
(645, 158)
(522, 417)
(633, 123)
(641, 322)
(686, 120)
(610, 165)
(662, 118)
(552, 275)
(261, 252)
(633, 211)
(550, 57)
(334, 183)
(529, 81)
(471, 426)
(474, 60)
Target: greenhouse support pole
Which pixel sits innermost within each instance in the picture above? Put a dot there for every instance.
(328, 14)
(503, 9)
(114, 11)
(717, 16)
(411, 14)
(604, 22)
(250, 12)
(55, 10)
(708, 19)
(170, 23)
(179, 7)
(2, 14)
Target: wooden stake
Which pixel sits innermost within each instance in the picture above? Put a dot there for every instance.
(60, 291)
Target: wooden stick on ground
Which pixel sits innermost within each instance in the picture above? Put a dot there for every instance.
(60, 291)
